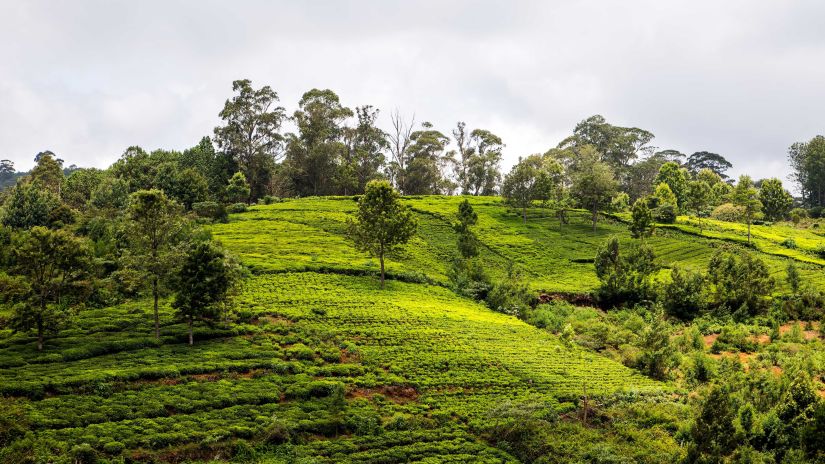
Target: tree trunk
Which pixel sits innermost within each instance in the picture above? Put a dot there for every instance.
(524, 215)
(40, 334)
(155, 298)
(595, 216)
(749, 232)
(191, 341)
(381, 258)
(584, 411)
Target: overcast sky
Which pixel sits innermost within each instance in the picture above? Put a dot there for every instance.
(745, 79)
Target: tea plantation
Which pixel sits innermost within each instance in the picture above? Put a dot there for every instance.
(322, 366)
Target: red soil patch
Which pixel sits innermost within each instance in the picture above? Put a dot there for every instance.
(710, 339)
(395, 393)
(350, 357)
(762, 339)
(807, 334)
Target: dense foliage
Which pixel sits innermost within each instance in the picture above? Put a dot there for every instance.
(617, 303)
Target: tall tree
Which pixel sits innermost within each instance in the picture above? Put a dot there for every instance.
(713, 435)
(707, 160)
(29, 206)
(400, 139)
(382, 223)
(593, 183)
(185, 185)
(776, 201)
(48, 172)
(618, 146)
(676, 177)
(203, 283)
(217, 167)
(807, 159)
(423, 174)
(156, 229)
(477, 160)
(313, 153)
(739, 280)
(80, 184)
(251, 133)
(698, 196)
(532, 179)
(57, 269)
(641, 175)
(746, 195)
(364, 155)
(8, 175)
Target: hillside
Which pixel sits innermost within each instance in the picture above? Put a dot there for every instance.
(326, 367)
(322, 361)
(309, 234)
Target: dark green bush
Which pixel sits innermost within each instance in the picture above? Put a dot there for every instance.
(237, 208)
(210, 210)
(665, 214)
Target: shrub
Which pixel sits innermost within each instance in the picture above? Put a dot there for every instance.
(727, 212)
(684, 296)
(235, 208)
(625, 274)
(210, 210)
(511, 295)
(268, 200)
(797, 215)
(665, 214)
(13, 421)
(113, 447)
(789, 243)
(84, 454)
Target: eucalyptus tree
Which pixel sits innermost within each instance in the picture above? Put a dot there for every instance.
(477, 160)
(251, 133)
(314, 152)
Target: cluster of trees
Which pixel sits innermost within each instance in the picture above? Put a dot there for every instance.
(55, 259)
(577, 173)
(736, 281)
(337, 150)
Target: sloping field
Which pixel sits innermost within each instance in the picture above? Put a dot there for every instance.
(309, 234)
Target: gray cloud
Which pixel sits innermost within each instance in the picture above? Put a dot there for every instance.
(742, 78)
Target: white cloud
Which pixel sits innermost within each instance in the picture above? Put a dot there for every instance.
(741, 78)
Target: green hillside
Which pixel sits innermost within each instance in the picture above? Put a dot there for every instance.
(323, 366)
(309, 234)
(349, 372)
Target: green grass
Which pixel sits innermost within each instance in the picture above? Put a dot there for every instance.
(310, 234)
(325, 366)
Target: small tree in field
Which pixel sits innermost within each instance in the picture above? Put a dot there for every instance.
(381, 223)
(467, 240)
(746, 196)
(237, 191)
(641, 224)
(531, 179)
(593, 184)
(203, 284)
(155, 231)
(55, 272)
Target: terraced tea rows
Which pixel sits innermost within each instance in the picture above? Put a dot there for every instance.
(552, 257)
